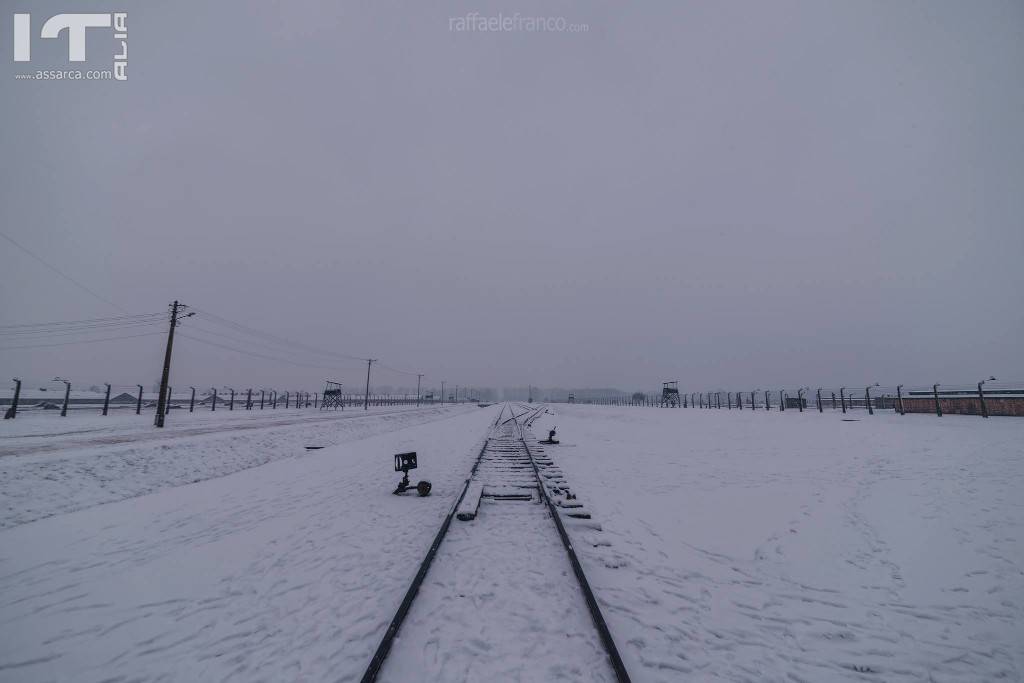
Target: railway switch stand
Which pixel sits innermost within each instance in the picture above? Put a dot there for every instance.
(403, 463)
(551, 440)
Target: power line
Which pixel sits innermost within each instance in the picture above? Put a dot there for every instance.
(58, 332)
(61, 273)
(272, 347)
(65, 328)
(61, 323)
(261, 355)
(402, 372)
(279, 340)
(289, 344)
(83, 341)
(255, 354)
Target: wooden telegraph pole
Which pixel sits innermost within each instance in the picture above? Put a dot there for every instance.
(12, 412)
(366, 396)
(163, 400)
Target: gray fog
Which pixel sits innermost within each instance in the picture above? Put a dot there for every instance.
(721, 193)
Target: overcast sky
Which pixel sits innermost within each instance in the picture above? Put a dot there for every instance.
(731, 194)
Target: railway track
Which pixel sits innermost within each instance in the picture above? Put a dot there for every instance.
(507, 595)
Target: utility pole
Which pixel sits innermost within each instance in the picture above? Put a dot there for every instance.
(419, 378)
(13, 410)
(138, 403)
(164, 399)
(106, 400)
(981, 395)
(67, 395)
(366, 396)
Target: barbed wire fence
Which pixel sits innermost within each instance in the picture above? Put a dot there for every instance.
(203, 329)
(989, 397)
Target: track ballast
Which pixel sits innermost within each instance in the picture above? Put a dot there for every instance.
(504, 597)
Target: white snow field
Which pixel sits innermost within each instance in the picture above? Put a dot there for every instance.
(67, 464)
(288, 571)
(753, 546)
(736, 546)
(501, 601)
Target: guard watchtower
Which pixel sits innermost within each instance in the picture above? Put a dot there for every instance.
(332, 396)
(670, 394)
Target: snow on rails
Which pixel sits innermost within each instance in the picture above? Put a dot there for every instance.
(500, 596)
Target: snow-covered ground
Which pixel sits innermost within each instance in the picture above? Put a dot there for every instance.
(51, 465)
(501, 601)
(737, 546)
(753, 546)
(289, 571)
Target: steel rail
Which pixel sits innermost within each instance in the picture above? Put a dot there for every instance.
(614, 658)
(381, 653)
(373, 670)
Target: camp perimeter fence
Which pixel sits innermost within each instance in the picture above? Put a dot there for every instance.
(122, 399)
(191, 326)
(984, 399)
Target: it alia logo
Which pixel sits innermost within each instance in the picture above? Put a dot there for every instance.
(76, 26)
